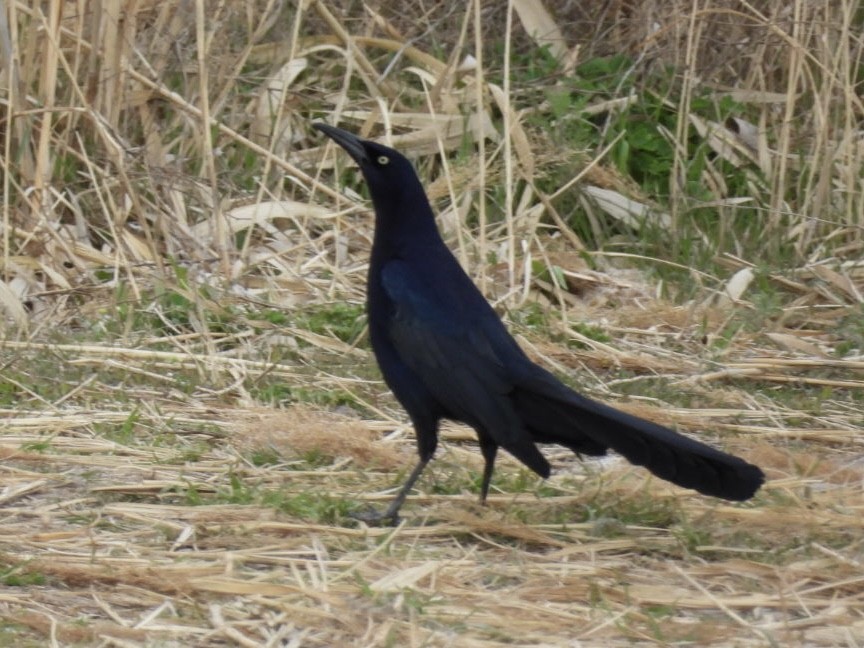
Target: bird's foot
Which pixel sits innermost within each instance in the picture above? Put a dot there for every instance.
(373, 517)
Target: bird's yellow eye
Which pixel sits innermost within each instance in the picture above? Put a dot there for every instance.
(383, 159)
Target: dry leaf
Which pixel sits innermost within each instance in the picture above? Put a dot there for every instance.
(748, 133)
(518, 136)
(795, 343)
(271, 97)
(630, 212)
(10, 302)
(728, 144)
(540, 25)
(246, 216)
(738, 283)
(839, 281)
(399, 580)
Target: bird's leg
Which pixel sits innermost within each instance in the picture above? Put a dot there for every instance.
(489, 450)
(391, 515)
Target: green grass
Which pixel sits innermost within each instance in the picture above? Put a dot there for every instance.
(311, 506)
(644, 154)
(21, 576)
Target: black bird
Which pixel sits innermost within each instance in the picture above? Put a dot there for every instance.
(446, 354)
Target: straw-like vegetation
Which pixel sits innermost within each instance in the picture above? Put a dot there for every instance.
(664, 199)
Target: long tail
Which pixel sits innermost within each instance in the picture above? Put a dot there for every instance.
(586, 426)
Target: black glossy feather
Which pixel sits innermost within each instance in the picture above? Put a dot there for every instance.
(445, 353)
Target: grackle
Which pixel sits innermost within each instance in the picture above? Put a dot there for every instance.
(445, 354)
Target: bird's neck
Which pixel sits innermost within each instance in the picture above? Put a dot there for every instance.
(404, 223)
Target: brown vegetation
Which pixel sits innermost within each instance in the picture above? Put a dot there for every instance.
(164, 200)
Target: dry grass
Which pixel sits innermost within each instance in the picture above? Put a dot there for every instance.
(163, 200)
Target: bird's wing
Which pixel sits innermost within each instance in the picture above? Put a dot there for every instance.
(441, 342)
(457, 351)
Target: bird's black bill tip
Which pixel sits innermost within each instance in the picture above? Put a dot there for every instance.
(352, 144)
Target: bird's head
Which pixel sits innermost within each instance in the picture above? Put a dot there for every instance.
(392, 181)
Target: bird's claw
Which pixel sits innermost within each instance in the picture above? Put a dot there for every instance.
(373, 517)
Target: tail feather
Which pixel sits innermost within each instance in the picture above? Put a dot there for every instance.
(586, 426)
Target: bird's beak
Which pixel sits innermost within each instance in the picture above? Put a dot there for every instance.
(348, 141)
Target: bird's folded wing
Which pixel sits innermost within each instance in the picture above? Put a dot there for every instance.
(451, 352)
